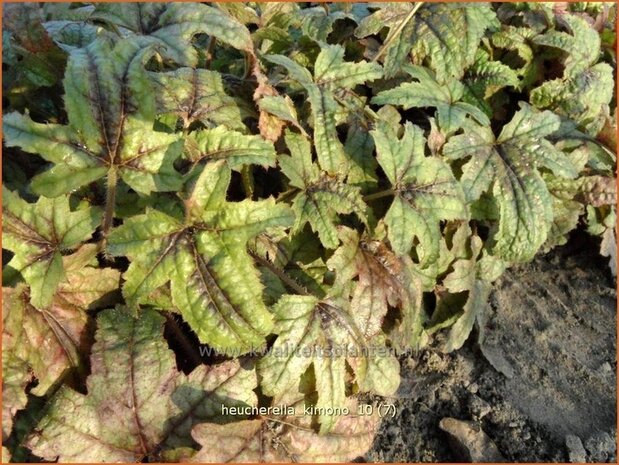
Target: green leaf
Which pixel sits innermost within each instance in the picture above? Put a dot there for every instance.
(174, 25)
(473, 273)
(214, 283)
(527, 62)
(486, 77)
(37, 234)
(425, 190)
(582, 45)
(510, 165)
(236, 148)
(281, 107)
(427, 92)
(315, 332)
(196, 95)
(359, 148)
(581, 97)
(70, 35)
(331, 73)
(109, 105)
(322, 197)
(137, 403)
(317, 23)
(445, 34)
(586, 89)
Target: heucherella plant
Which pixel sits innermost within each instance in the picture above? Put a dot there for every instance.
(223, 223)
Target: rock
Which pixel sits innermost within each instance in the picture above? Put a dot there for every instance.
(478, 407)
(470, 442)
(575, 450)
(602, 447)
(497, 359)
(473, 388)
(606, 368)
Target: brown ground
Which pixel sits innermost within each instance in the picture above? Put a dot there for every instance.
(551, 337)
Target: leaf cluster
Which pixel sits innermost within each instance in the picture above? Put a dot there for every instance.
(210, 207)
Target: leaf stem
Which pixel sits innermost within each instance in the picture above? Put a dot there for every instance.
(379, 195)
(391, 37)
(287, 280)
(210, 51)
(284, 196)
(110, 205)
(249, 65)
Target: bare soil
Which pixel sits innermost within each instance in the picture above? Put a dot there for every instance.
(545, 370)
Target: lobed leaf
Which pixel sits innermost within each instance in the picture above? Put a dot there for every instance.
(37, 234)
(427, 92)
(322, 197)
(425, 190)
(331, 73)
(109, 106)
(213, 281)
(196, 95)
(237, 149)
(137, 402)
(447, 35)
(174, 25)
(510, 165)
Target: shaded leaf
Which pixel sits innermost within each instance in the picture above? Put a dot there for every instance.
(196, 95)
(174, 25)
(137, 402)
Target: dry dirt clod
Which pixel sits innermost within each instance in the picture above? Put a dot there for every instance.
(575, 449)
(602, 447)
(478, 407)
(470, 442)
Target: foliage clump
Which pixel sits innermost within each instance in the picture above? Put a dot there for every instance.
(306, 191)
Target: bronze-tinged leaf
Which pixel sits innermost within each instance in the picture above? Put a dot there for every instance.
(599, 190)
(24, 22)
(138, 405)
(54, 333)
(287, 438)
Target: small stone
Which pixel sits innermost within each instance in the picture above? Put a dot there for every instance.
(473, 388)
(478, 407)
(469, 442)
(606, 368)
(497, 359)
(601, 446)
(575, 450)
